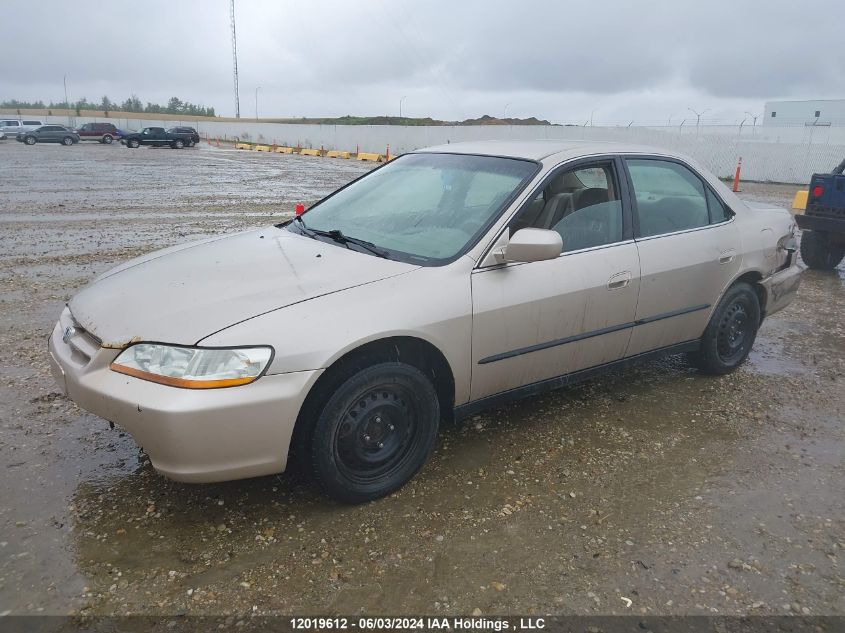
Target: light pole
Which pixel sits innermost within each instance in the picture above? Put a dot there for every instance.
(67, 103)
(697, 117)
(591, 117)
(256, 101)
(400, 104)
(505, 111)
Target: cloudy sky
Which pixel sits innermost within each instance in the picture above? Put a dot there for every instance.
(646, 61)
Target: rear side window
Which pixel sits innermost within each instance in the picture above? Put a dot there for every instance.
(33, 123)
(11, 123)
(718, 211)
(669, 197)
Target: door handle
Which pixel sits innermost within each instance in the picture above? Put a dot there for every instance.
(727, 256)
(619, 280)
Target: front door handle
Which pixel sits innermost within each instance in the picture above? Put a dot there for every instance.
(619, 280)
(727, 256)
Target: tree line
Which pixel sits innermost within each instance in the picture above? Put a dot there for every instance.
(132, 104)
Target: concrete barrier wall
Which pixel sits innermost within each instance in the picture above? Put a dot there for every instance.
(778, 154)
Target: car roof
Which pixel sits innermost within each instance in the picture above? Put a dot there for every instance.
(541, 149)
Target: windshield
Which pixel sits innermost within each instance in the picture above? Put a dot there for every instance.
(423, 206)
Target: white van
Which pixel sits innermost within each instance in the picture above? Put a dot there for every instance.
(14, 126)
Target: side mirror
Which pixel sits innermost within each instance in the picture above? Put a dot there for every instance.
(532, 245)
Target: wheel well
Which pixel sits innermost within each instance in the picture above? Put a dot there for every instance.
(753, 278)
(406, 349)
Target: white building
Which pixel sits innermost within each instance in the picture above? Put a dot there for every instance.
(826, 112)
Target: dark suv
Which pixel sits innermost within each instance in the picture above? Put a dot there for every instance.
(100, 132)
(48, 134)
(195, 137)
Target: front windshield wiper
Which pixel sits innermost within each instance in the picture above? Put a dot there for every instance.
(338, 236)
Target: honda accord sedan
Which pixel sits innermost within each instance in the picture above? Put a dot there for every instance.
(448, 280)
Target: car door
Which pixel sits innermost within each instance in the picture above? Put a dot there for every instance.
(537, 321)
(689, 250)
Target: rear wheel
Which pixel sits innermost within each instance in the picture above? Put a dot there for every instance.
(178, 144)
(107, 139)
(30, 140)
(375, 432)
(818, 252)
(730, 334)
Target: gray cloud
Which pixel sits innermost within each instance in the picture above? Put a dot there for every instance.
(624, 60)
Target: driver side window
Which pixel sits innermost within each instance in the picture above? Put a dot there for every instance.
(582, 204)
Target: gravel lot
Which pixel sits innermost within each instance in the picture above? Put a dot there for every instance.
(684, 494)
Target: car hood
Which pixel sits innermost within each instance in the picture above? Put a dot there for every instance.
(185, 293)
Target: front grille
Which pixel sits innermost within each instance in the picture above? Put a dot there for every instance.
(83, 345)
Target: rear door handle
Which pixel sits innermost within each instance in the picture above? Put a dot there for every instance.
(727, 256)
(619, 280)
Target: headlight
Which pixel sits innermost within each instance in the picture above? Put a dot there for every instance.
(193, 367)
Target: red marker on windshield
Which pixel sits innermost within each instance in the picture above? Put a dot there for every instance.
(300, 209)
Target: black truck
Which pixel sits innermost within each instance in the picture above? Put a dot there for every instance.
(157, 137)
(823, 222)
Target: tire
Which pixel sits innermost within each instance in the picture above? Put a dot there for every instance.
(30, 140)
(67, 141)
(189, 143)
(133, 143)
(108, 139)
(178, 144)
(818, 252)
(730, 334)
(375, 432)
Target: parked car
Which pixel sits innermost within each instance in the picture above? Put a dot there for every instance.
(13, 126)
(100, 132)
(823, 222)
(156, 137)
(2, 135)
(449, 280)
(48, 134)
(195, 137)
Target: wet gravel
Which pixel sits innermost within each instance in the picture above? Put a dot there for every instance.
(680, 493)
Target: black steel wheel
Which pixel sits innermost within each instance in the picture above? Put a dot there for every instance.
(375, 432)
(818, 252)
(730, 334)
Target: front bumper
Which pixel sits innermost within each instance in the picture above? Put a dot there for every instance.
(189, 435)
(781, 288)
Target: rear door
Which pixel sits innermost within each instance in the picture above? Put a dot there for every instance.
(537, 321)
(689, 250)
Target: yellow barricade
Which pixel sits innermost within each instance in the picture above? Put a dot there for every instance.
(284, 150)
(263, 148)
(800, 200)
(310, 152)
(243, 146)
(367, 156)
(336, 153)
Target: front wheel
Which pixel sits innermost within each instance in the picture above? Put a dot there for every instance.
(107, 139)
(67, 141)
(818, 252)
(375, 432)
(29, 140)
(730, 334)
(133, 143)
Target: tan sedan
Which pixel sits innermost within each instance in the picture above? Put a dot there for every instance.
(448, 280)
